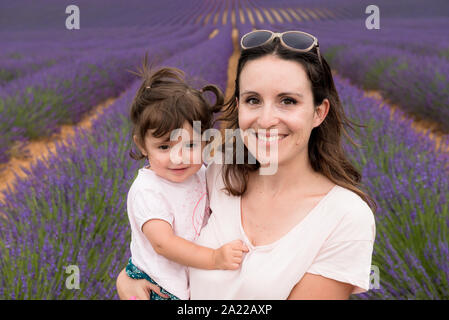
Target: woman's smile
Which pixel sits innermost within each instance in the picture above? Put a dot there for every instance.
(268, 138)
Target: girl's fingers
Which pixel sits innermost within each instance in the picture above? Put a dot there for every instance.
(237, 254)
(239, 250)
(237, 260)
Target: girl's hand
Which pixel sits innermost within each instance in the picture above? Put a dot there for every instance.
(230, 255)
(134, 289)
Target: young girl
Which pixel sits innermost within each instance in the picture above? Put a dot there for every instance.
(167, 202)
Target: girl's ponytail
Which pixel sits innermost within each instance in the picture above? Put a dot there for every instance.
(219, 97)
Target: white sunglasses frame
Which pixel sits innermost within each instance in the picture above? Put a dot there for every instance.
(279, 35)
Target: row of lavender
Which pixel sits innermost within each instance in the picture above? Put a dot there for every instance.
(36, 105)
(29, 14)
(410, 183)
(407, 60)
(113, 13)
(72, 208)
(26, 52)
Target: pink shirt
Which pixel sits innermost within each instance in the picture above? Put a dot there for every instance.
(334, 240)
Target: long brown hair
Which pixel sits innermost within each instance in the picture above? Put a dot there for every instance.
(164, 101)
(325, 149)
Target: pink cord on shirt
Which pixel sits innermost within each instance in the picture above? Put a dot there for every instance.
(197, 233)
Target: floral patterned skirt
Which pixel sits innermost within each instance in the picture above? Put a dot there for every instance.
(136, 273)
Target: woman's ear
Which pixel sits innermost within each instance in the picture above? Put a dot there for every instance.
(137, 142)
(321, 112)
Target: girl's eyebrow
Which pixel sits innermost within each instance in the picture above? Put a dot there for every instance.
(168, 140)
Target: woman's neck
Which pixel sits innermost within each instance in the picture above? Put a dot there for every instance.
(296, 174)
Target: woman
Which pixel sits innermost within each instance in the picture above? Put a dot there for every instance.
(309, 228)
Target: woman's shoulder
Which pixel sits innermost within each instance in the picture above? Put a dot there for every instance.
(355, 215)
(350, 200)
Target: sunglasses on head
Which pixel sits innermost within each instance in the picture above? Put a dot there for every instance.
(294, 40)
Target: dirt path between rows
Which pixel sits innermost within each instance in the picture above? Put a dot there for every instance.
(41, 149)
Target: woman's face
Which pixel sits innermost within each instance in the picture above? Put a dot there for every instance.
(276, 94)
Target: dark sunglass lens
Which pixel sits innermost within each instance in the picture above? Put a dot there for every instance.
(256, 38)
(297, 40)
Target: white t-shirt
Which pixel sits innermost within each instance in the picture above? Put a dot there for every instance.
(184, 205)
(334, 240)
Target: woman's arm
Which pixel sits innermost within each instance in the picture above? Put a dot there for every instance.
(166, 243)
(316, 287)
(135, 289)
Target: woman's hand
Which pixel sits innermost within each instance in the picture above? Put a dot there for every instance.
(133, 289)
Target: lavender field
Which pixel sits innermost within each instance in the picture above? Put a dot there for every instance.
(70, 208)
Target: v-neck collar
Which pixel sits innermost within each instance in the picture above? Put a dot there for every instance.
(299, 224)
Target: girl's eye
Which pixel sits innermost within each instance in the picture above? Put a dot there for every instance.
(191, 145)
(164, 147)
(288, 101)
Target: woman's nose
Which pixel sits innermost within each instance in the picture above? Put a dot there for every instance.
(267, 117)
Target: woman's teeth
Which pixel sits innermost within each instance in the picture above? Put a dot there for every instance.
(270, 138)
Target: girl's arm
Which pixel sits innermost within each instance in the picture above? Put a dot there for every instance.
(166, 243)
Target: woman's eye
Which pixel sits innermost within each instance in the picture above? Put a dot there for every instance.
(164, 147)
(252, 101)
(191, 145)
(288, 101)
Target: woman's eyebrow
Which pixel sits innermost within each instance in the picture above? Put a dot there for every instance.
(248, 92)
(290, 94)
(280, 94)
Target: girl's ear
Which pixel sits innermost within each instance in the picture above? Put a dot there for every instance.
(142, 150)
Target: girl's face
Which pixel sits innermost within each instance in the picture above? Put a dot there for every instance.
(276, 94)
(173, 160)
